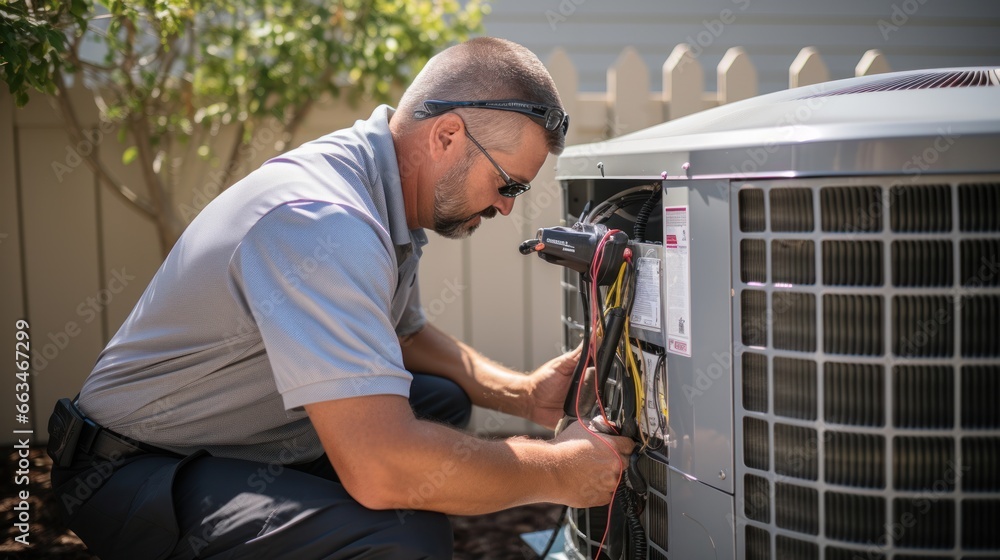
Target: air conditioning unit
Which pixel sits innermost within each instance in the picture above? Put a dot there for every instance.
(819, 322)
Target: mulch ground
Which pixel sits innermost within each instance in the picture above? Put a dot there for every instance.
(493, 536)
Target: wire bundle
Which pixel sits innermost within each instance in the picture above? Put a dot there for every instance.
(619, 295)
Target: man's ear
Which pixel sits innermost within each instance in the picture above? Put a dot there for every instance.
(444, 134)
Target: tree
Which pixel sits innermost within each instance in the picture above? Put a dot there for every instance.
(169, 73)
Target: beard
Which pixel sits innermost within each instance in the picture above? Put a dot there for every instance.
(451, 218)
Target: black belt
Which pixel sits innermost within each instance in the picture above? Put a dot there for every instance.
(97, 441)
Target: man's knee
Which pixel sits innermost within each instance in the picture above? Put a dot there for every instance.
(458, 406)
(422, 534)
(440, 399)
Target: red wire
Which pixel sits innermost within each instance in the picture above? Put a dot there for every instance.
(621, 466)
(592, 356)
(595, 268)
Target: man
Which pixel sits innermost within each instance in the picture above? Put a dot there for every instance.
(259, 401)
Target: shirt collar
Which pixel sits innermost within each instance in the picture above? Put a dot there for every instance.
(377, 130)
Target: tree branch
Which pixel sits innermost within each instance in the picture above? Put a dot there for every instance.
(93, 160)
(233, 161)
(166, 65)
(300, 114)
(295, 122)
(140, 132)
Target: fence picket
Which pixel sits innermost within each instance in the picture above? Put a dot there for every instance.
(872, 62)
(807, 69)
(628, 93)
(737, 76)
(683, 83)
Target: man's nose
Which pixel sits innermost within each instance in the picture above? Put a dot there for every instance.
(505, 205)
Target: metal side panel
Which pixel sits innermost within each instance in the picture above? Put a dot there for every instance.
(697, 318)
(701, 520)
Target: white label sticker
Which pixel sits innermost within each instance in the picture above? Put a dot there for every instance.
(677, 265)
(646, 308)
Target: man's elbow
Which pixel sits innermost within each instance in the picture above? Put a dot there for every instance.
(376, 489)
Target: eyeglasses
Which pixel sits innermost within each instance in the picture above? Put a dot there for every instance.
(551, 118)
(511, 188)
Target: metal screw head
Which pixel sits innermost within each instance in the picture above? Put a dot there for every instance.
(722, 475)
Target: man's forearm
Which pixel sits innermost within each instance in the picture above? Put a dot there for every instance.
(388, 459)
(487, 383)
(451, 472)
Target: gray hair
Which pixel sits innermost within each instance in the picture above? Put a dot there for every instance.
(486, 68)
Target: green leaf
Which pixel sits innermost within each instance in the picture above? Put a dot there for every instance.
(129, 155)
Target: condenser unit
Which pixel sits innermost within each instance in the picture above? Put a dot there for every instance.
(823, 286)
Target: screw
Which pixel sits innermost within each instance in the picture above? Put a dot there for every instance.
(722, 475)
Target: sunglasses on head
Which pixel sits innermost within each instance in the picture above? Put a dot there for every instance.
(551, 118)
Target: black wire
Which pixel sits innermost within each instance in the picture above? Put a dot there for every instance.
(580, 372)
(600, 311)
(636, 533)
(628, 292)
(658, 389)
(616, 204)
(555, 534)
(639, 230)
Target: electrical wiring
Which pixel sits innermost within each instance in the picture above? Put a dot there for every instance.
(659, 374)
(639, 230)
(644, 427)
(659, 403)
(597, 312)
(652, 374)
(622, 289)
(621, 384)
(639, 191)
(617, 208)
(628, 296)
(596, 318)
(598, 321)
(621, 464)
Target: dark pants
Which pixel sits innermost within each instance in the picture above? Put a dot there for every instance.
(162, 507)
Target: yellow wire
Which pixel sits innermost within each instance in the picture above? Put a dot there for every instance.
(615, 289)
(614, 294)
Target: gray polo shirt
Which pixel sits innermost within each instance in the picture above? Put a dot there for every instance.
(290, 288)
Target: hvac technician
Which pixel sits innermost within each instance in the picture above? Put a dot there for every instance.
(259, 402)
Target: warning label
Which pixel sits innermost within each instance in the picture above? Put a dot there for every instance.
(677, 264)
(646, 308)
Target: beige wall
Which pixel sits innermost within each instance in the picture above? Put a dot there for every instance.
(66, 242)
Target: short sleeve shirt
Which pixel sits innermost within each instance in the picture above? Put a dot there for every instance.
(291, 287)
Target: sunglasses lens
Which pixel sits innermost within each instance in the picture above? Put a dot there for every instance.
(556, 119)
(552, 120)
(513, 189)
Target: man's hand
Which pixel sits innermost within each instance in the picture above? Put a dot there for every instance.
(590, 470)
(547, 388)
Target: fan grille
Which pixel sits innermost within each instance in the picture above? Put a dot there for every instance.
(929, 80)
(868, 344)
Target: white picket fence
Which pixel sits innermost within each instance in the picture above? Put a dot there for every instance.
(629, 105)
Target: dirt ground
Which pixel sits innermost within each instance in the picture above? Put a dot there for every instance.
(493, 536)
